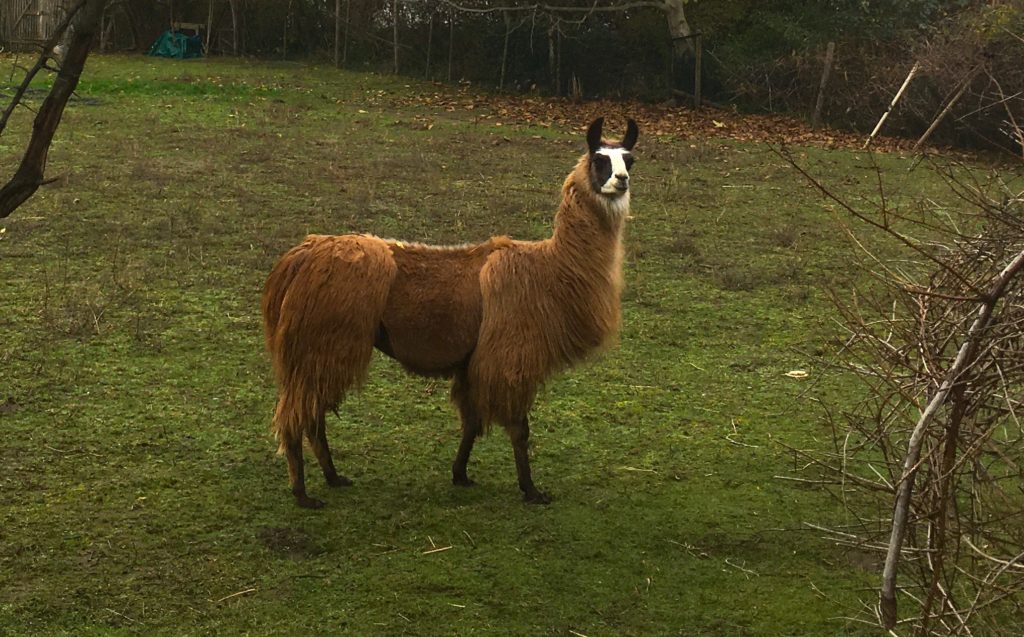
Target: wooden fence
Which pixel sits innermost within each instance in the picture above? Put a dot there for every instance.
(26, 24)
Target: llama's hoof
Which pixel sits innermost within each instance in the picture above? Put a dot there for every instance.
(536, 497)
(338, 481)
(462, 481)
(307, 502)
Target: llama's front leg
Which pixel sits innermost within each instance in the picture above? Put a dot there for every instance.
(296, 474)
(318, 441)
(520, 436)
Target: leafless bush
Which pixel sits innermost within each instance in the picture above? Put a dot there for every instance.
(937, 342)
(977, 49)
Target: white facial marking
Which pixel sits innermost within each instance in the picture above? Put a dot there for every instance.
(618, 168)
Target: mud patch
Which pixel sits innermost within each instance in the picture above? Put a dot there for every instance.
(294, 544)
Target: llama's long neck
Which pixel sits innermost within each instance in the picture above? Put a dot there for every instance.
(586, 277)
(589, 226)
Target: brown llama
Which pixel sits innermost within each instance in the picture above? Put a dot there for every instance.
(499, 318)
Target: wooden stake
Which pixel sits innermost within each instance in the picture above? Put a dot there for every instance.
(829, 54)
(948, 107)
(892, 104)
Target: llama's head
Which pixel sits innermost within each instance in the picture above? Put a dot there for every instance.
(609, 162)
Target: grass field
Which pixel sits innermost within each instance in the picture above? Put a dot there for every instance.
(140, 492)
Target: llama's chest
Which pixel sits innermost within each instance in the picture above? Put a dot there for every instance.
(544, 304)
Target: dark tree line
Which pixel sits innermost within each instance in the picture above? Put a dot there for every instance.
(759, 56)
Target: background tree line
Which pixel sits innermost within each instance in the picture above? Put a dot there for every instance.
(756, 56)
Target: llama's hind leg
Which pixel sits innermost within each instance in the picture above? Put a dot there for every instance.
(296, 474)
(470, 432)
(471, 429)
(519, 434)
(318, 441)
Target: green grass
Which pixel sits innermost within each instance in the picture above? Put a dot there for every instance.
(140, 490)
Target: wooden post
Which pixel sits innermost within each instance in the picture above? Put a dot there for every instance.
(103, 30)
(552, 64)
(348, 20)
(430, 42)
(209, 29)
(829, 53)
(451, 43)
(394, 30)
(558, 62)
(892, 104)
(504, 49)
(697, 46)
(234, 27)
(337, 33)
(284, 43)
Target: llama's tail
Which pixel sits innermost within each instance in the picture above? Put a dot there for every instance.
(322, 305)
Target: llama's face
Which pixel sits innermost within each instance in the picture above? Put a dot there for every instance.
(609, 170)
(610, 162)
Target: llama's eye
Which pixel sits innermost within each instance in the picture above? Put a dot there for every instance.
(629, 161)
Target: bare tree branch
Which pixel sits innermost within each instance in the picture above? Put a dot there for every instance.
(30, 173)
(40, 64)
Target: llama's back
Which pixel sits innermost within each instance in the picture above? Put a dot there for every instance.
(322, 305)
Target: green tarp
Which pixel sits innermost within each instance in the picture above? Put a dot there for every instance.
(172, 44)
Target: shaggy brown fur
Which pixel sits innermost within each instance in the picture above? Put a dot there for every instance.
(499, 318)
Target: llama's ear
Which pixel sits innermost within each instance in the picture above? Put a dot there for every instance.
(594, 135)
(632, 132)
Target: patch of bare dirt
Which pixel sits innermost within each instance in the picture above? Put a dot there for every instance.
(291, 543)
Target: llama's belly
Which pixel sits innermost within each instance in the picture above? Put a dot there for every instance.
(432, 318)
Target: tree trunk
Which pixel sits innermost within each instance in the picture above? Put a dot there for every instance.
(829, 54)
(29, 175)
(678, 27)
